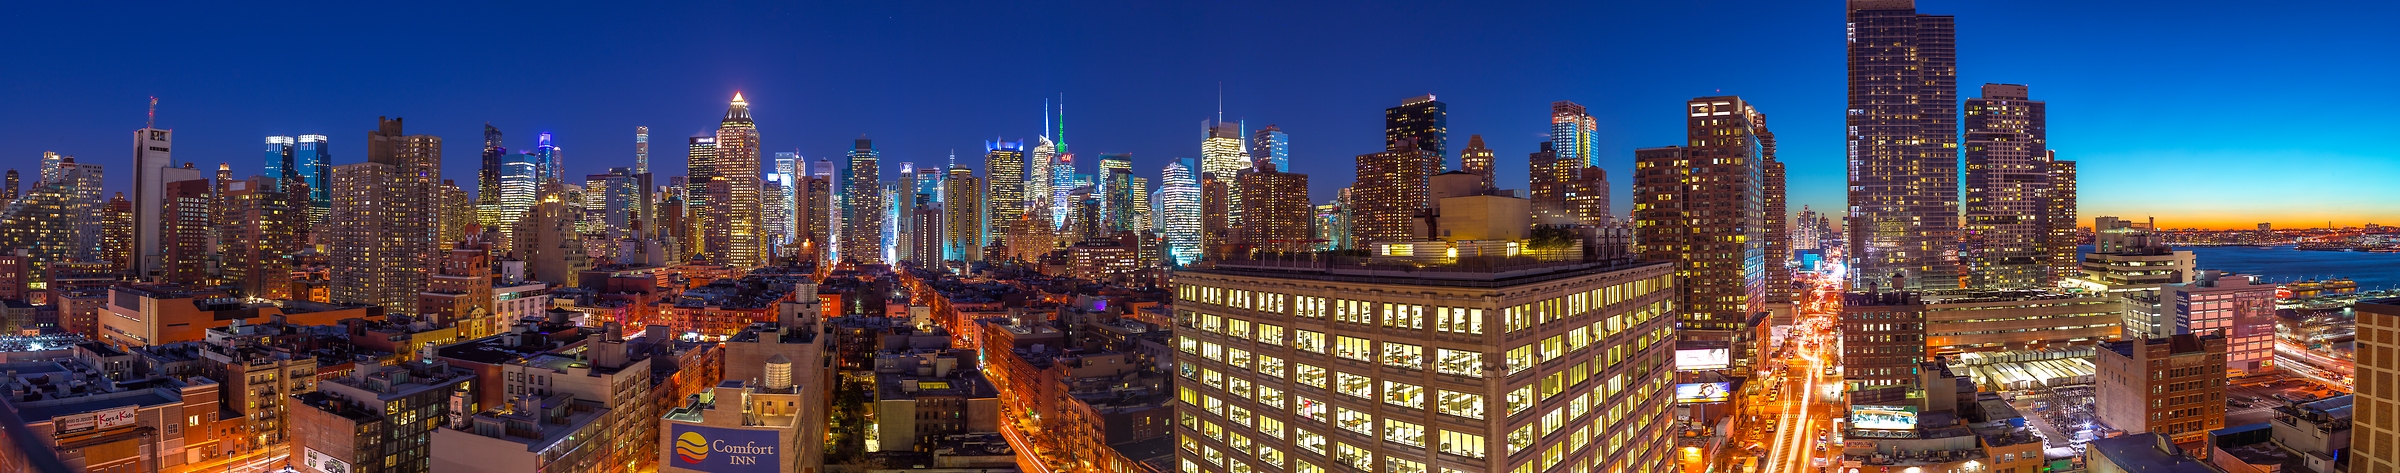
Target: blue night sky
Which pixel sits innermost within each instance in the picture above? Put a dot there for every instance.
(2201, 113)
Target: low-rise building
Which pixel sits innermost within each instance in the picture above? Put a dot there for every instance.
(557, 433)
(380, 420)
(739, 426)
(2236, 305)
(91, 418)
(2142, 453)
(911, 412)
(142, 315)
(2173, 386)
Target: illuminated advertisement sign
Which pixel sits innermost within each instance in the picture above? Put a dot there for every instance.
(723, 450)
(1703, 359)
(1883, 417)
(1695, 393)
(97, 420)
(322, 462)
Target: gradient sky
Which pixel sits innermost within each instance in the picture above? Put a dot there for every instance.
(2217, 114)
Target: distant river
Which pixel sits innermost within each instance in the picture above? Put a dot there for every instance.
(2283, 264)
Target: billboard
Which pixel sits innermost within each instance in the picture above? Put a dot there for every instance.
(323, 463)
(723, 450)
(1883, 417)
(97, 420)
(1695, 393)
(1703, 359)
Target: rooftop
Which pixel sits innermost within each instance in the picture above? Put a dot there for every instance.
(1489, 272)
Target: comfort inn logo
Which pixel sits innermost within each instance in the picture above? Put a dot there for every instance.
(691, 448)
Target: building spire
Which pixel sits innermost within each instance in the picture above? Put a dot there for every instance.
(1220, 101)
(1062, 123)
(152, 120)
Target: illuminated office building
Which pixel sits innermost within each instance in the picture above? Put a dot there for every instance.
(520, 180)
(963, 203)
(312, 156)
(1179, 212)
(1222, 153)
(1142, 213)
(1271, 144)
(1216, 228)
(153, 168)
(2060, 240)
(47, 222)
(1037, 184)
(489, 212)
(862, 206)
(1343, 368)
(732, 231)
(1902, 145)
(1004, 166)
(1561, 161)
(1423, 123)
(1703, 207)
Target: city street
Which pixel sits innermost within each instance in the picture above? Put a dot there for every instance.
(1808, 382)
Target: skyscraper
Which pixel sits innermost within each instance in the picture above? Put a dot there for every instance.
(59, 219)
(813, 199)
(1478, 160)
(1037, 185)
(1117, 191)
(116, 231)
(153, 167)
(1141, 202)
(1560, 162)
(732, 232)
(259, 225)
(457, 213)
(1216, 230)
(183, 237)
(1903, 145)
(278, 162)
(862, 206)
(313, 157)
(1179, 212)
(2007, 176)
(963, 204)
(641, 150)
(1004, 167)
(1062, 185)
(383, 222)
(1704, 209)
(1270, 144)
(1222, 153)
(1423, 122)
(520, 181)
(1390, 189)
(1279, 210)
(489, 187)
(2058, 218)
(776, 210)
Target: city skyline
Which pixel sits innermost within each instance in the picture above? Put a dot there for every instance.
(1330, 115)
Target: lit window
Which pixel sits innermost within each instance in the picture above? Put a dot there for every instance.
(1310, 409)
(1405, 433)
(1354, 385)
(1309, 341)
(1458, 362)
(1309, 441)
(1310, 375)
(1462, 444)
(1357, 457)
(1270, 366)
(1460, 404)
(1402, 355)
(1404, 395)
(1354, 421)
(1354, 348)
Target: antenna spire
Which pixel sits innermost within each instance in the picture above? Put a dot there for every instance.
(152, 121)
(1220, 101)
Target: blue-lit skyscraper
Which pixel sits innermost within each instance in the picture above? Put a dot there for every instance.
(313, 157)
(278, 162)
(1179, 211)
(1271, 145)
